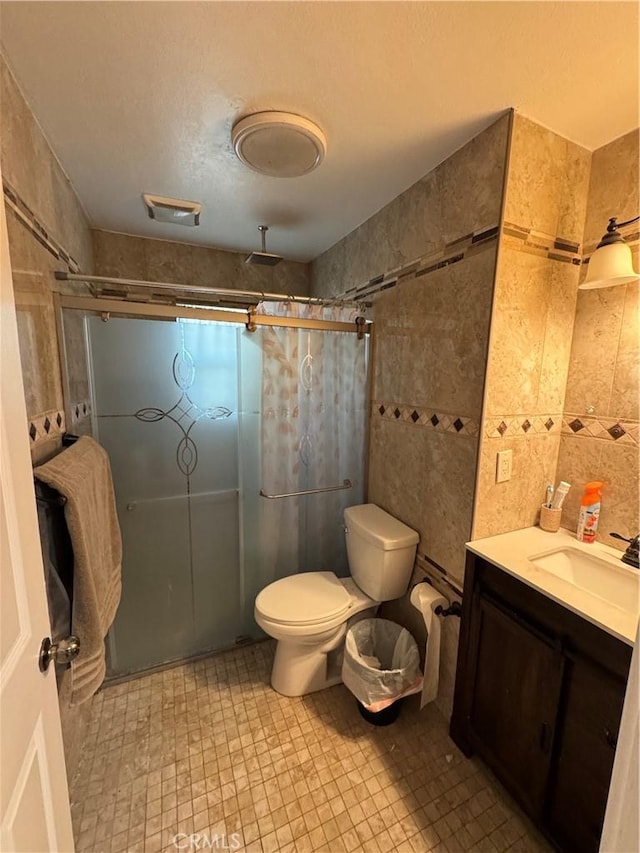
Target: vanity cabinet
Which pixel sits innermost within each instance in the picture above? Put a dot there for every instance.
(539, 694)
(589, 717)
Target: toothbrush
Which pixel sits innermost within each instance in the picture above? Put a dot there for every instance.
(549, 498)
(561, 493)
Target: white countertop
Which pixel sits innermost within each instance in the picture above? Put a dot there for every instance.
(511, 552)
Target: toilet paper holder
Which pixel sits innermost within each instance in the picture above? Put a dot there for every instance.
(454, 609)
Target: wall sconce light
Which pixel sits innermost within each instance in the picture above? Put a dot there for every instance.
(611, 263)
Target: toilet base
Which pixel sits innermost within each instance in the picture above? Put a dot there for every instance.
(300, 669)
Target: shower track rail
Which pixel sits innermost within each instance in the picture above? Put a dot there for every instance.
(346, 484)
(124, 307)
(253, 296)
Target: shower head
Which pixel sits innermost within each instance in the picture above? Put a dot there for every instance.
(263, 257)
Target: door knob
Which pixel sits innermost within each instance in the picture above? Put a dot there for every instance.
(63, 652)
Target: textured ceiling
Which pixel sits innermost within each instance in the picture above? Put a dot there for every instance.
(141, 97)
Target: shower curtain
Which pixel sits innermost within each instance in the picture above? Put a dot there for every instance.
(314, 399)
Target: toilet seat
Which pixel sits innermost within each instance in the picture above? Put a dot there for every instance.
(305, 599)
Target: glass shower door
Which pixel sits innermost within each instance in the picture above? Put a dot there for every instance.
(166, 407)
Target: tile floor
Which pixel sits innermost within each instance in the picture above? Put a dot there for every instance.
(209, 750)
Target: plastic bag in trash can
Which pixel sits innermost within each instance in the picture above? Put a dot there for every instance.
(381, 663)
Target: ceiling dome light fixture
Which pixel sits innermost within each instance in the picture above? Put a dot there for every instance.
(611, 263)
(279, 144)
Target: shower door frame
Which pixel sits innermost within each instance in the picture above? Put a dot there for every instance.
(129, 309)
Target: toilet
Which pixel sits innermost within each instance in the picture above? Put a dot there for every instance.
(309, 613)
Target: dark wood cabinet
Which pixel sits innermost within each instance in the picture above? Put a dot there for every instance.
(539, 695)
(517, 686)
(588, 720)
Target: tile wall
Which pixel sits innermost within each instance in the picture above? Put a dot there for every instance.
(48, 230)
(531, 324)
(599, 438)
(428, 258)
(124, 256)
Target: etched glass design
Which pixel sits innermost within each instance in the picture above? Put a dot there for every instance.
(166, 410)
(185, 413)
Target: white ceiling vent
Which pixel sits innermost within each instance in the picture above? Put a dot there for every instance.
(282, 145)
(176, 211)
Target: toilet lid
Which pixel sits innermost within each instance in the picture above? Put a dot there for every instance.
(305, 598)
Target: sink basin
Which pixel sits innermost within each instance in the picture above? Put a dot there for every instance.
(616, 584)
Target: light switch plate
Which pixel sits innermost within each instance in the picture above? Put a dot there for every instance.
(503, 466)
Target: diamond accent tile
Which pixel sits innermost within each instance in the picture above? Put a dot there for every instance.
(576, 425)
(596, 429)
(604, 429)
(526, 426)
(502, 427)
(46, 425)
(548, 423)
(423, 417)
(616, 431)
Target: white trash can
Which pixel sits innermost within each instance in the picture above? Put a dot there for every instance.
(381, 664)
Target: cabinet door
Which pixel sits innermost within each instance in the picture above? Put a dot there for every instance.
(518, 673)
(587, 731)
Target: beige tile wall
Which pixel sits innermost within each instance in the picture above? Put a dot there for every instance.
(531, 326)
(30, 168)
(604, 363)
(431, 335)
(430, 349)
(124, 256)
(461, 195)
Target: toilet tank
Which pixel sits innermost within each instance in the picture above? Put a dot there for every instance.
(381, 551)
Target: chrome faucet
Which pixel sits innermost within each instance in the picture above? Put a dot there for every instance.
(630, 556)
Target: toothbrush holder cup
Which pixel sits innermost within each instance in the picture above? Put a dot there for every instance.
(550, 519)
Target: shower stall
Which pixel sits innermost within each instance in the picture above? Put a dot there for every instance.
(215, 422)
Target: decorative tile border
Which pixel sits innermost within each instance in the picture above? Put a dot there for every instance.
(420, 416)
(520, 426)
(80, 410)
(32, 224)
(449, 253)
(46, 426)
(513, 236)
(556, 248)
(620, 430)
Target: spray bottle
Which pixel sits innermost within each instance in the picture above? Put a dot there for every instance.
(589, 513)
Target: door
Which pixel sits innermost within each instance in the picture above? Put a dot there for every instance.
(166, 407)
(621, 830)
(517, 683)
(588, 726)
(34, 803)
